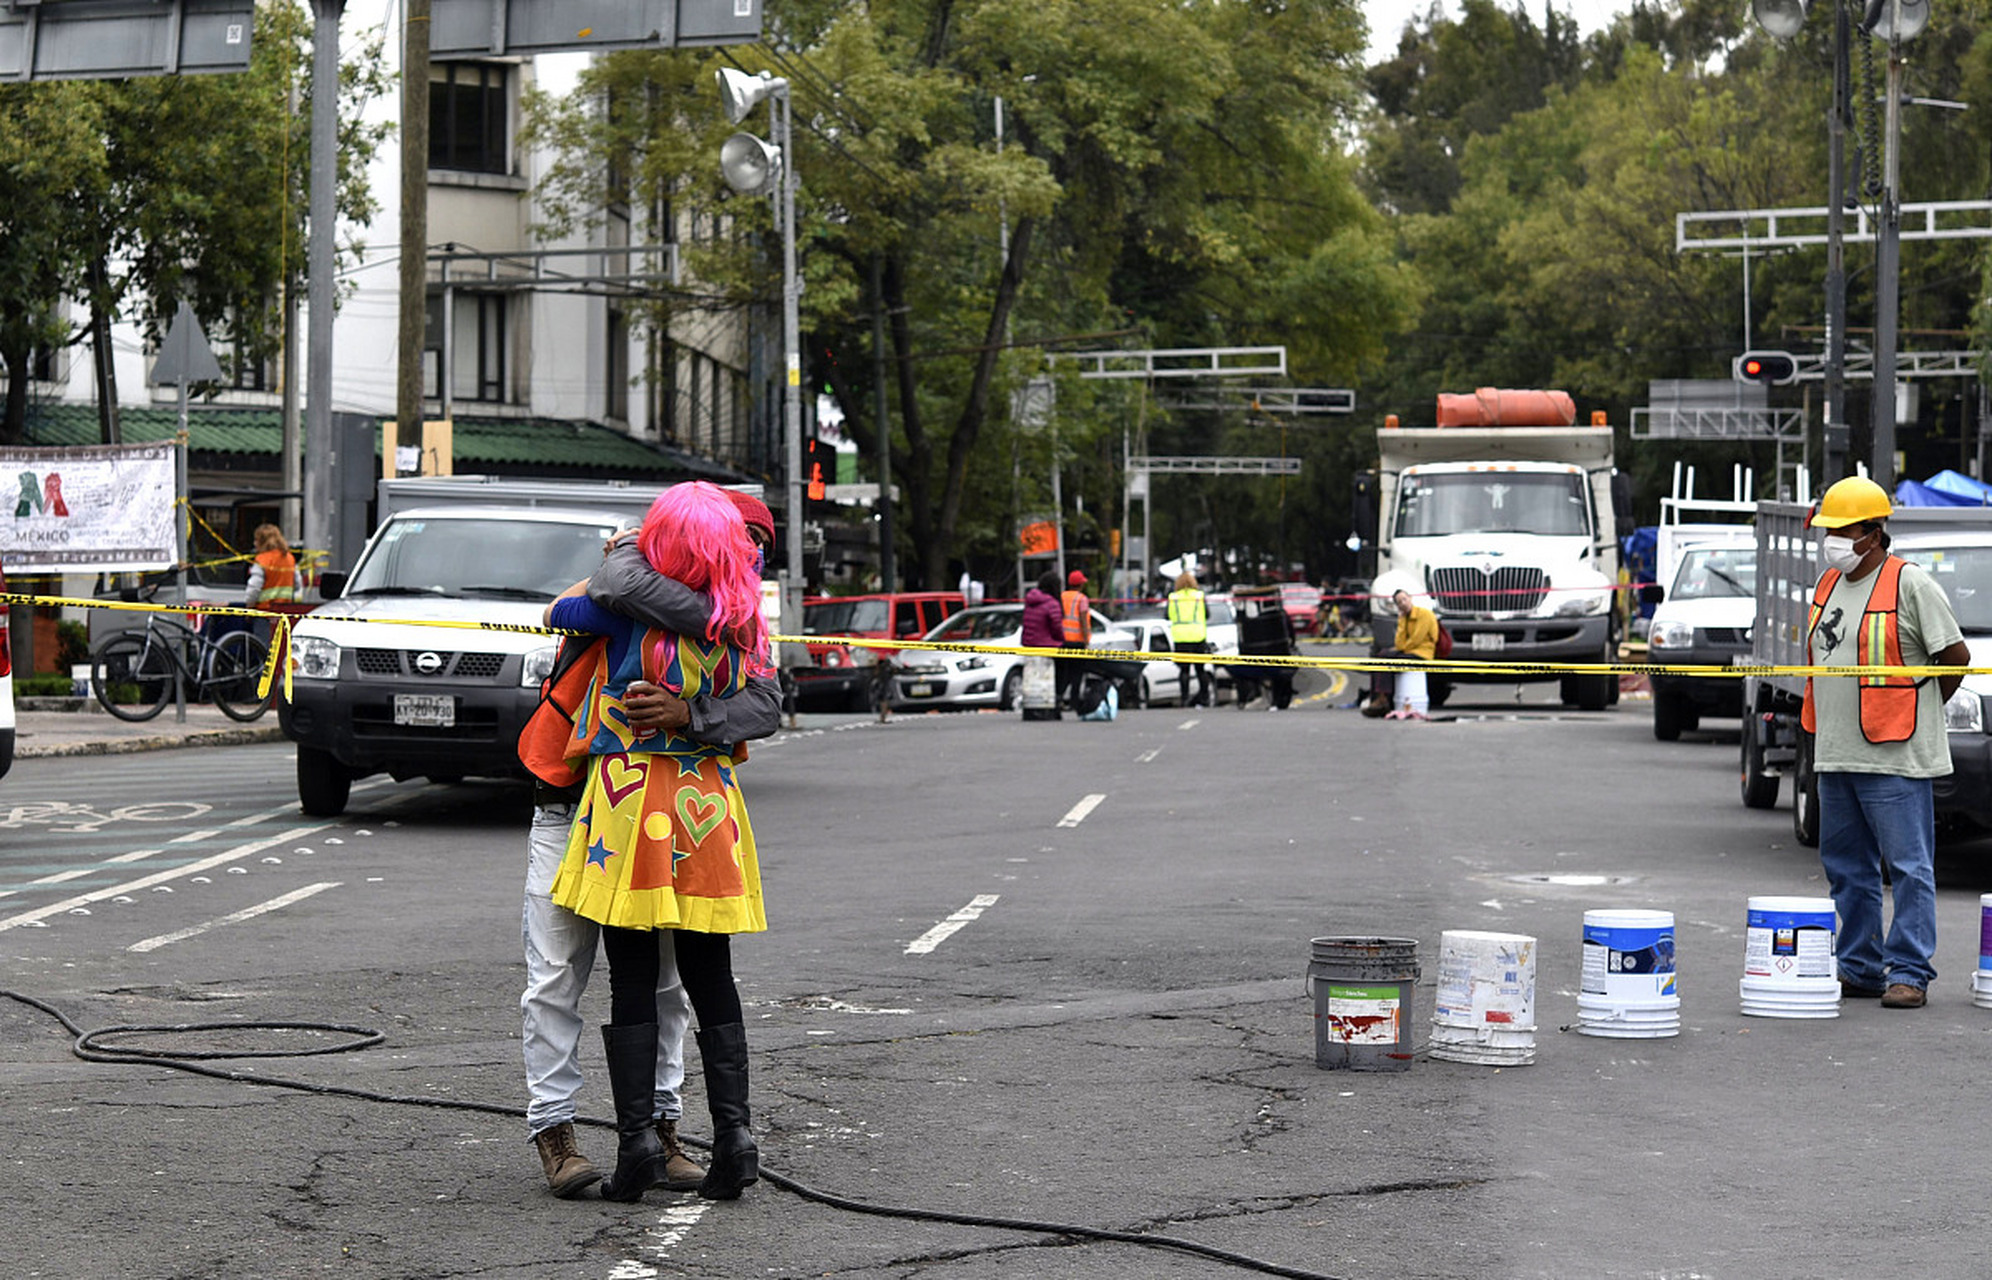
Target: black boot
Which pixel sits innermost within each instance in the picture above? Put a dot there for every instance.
(736, 1161)
(632, 1055)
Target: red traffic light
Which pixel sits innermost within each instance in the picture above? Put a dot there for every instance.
(1767, 368)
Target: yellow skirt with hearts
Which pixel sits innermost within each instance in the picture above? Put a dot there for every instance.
(662, 842)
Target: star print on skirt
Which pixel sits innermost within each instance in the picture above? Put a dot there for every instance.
(662, 842)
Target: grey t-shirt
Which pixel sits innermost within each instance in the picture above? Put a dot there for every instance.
(1926, 627)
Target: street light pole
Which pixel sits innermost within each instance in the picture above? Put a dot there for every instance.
(1887, 266)
(1835, 434)
(782, 110)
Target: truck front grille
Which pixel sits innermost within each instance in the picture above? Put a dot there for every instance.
(402, 662)
(1506, 590)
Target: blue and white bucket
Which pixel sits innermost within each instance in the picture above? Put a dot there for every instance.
(1788, 965)
(1981, 978)
(1485, 1009)
(1629, 990)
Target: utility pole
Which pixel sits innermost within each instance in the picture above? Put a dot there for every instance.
(1835, 438)
(414, 222)
(319, 453)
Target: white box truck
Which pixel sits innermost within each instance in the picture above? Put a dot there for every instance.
(1505, 517)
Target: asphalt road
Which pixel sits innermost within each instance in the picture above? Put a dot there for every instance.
(1049, 972)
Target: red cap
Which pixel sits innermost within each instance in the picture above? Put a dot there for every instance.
(755, 512)
(1075, 579)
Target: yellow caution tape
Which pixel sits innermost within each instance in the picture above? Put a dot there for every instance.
(1449, 666)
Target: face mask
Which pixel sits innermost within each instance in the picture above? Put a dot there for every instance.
(1839, 553)
(760, 561)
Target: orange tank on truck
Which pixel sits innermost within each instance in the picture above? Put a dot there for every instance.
(1504, 517)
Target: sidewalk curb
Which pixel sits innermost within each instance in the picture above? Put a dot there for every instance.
(157, 742)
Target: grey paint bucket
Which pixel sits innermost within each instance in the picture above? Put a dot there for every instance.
(1364, 990)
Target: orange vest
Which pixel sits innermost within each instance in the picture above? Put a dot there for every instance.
(1078, 616)
(1888, 703)
(279, 575)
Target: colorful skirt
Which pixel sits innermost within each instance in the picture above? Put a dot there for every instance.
(662, 842)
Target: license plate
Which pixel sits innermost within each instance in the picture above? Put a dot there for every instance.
(1489, 641)
(436, 710)
(922, 689)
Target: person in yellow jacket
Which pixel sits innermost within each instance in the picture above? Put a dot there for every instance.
(1878, 742)
(1417, 637)
(1189, 632)
(273, 571)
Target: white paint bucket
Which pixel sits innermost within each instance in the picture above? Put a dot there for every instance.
(1788, 969)
(1981, 979)
(1485, 1008)
(1628, 990)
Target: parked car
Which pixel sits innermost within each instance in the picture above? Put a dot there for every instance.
(6, 689)
(1302, 602)
(924, 679)
(1220, 631)
(837, 677)
(1703, 618)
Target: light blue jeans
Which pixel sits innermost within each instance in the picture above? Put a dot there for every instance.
(560, 954)
(1866, 819)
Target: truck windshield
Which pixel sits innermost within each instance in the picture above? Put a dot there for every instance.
(1716, 573)
(1965, 574)
(1431, 506)
(871, 616)
(486, 558)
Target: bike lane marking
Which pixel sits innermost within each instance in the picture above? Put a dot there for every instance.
(947, 928)
(233, 917)
(158, 877)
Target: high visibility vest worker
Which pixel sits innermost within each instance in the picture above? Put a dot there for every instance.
(279, 577)
(1888, 703)
(1078, 612)
(1189, 616)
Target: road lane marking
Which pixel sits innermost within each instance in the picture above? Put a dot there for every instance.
(1148, 757)
(947, 928)
(158, 877)
(1191, 723)
(235, 917)
(1079, 811)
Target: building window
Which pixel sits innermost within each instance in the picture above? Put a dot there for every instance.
(468, 113)
(617, 373)
(477, 348)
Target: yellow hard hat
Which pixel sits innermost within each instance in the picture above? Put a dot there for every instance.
(1850, 501)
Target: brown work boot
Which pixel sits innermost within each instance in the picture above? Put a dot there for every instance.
(681, 1172)
(1900, 995)
(568, 1172)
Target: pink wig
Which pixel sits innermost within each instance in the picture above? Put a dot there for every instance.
(695, 534)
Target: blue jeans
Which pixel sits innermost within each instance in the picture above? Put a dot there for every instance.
(1866, 819)
(560, 954)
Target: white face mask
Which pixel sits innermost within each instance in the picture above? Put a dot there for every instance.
(1839, 552)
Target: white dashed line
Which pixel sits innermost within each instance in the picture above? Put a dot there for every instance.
(947, 928)
(1148, 757)
(1191, 723)
(1080, 810)
(236, 917)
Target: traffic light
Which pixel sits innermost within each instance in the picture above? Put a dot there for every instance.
(1766, 368)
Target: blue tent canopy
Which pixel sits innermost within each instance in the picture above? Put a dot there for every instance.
(1977, 492)
(1945, 489)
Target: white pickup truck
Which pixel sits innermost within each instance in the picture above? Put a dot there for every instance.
(425, 661)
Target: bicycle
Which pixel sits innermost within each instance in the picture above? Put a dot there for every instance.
(133, 673)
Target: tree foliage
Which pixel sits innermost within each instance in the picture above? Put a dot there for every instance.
(133, 195)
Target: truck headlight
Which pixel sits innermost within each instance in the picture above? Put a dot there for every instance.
(1965, 712)
(1671, 635)
(538, 665)
(1583, 606)
(313, 658)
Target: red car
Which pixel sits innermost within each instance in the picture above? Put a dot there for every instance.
(838, 677)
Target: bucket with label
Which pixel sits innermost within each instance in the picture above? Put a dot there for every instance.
(1981, 978)
(1628, 990)
(1363, 998)
(1484, 1012)
(1788, 969)
(1039, 691)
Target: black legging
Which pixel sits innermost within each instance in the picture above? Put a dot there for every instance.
(705, 966)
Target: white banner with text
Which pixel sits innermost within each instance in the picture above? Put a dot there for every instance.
(91, 509)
